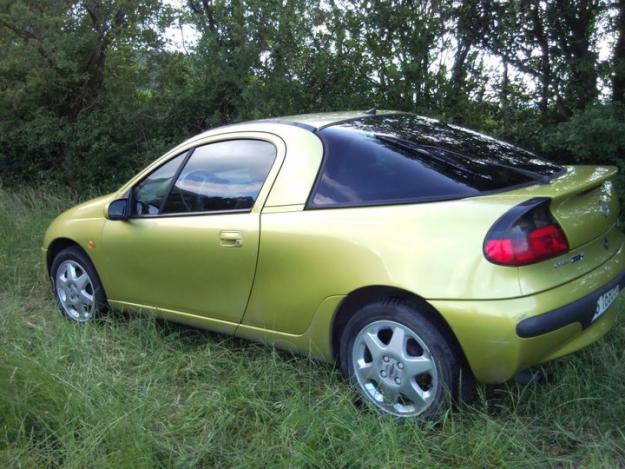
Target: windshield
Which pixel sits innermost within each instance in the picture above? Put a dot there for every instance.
(470, 144)
(404, 158)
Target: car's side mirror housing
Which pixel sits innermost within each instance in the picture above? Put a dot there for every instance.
(119, 210)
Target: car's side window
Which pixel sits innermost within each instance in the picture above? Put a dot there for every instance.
(148, 195)
(221, 176)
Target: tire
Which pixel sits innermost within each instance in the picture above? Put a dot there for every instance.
(76, 286)
(400, 362)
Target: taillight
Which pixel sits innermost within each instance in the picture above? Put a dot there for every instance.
(526, 234)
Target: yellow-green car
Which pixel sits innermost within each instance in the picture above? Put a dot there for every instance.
(419, 255)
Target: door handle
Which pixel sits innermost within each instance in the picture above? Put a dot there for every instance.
(231, 239)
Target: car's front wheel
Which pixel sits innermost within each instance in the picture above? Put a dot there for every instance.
(76, 285)
(399, 360)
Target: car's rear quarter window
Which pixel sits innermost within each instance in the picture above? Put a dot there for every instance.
(405, 158)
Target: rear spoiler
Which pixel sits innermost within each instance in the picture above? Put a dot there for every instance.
(580, 180)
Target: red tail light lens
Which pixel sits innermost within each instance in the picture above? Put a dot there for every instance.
(525, 235)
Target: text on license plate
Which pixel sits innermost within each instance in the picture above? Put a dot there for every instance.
(605, 301)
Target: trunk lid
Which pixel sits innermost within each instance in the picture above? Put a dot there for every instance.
(583, 201)
(585, 204)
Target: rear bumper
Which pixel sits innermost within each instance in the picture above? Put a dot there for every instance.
(582, 311)
(502, 337)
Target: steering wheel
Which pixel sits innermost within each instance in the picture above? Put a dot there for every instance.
(196, 180)
(145, 208)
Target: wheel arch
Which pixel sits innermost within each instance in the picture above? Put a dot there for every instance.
(366, 295)
(56, 246)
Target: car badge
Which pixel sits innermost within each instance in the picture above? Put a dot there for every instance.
(571, 260)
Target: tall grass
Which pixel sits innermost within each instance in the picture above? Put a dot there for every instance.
(137, 392)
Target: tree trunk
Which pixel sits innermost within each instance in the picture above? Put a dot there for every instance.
(618, 79)
(573, 23)
(540, 35)
(505, 97)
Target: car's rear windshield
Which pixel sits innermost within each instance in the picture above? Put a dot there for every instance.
(403, 158)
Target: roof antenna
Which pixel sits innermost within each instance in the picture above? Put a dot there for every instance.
(371, 112)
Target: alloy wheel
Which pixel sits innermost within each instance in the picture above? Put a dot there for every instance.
(394, 368)
(74, 290)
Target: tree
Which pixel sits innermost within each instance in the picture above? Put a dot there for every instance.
(468, 30)
(55, 60)
(89, 91)
(572, 24)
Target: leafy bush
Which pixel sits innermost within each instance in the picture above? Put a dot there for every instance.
(593, 136)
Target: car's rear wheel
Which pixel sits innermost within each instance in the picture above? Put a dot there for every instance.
(76, 285)
(399, 360)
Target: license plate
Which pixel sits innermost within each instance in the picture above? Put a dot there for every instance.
(605, 301)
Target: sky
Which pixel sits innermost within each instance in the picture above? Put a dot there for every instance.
(181, 36)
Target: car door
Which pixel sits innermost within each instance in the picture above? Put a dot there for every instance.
(191, 243)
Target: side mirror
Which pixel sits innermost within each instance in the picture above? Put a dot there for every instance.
(118, 210)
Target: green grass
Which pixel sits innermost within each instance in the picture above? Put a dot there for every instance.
(134, 391)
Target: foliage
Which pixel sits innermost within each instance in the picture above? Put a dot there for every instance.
(595, 135)
(90, 91)
(136, 392)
